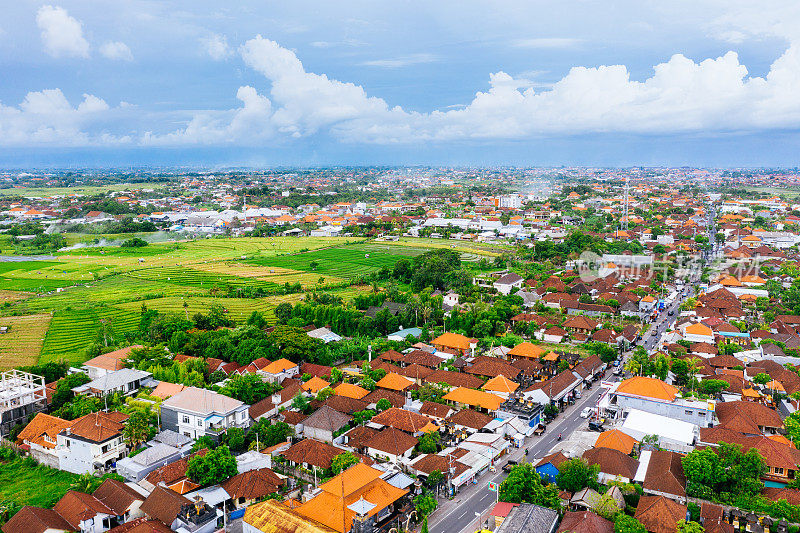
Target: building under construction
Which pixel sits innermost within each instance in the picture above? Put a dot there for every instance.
(21, 395)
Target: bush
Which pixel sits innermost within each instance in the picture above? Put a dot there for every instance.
(136, 242)
(6, 453)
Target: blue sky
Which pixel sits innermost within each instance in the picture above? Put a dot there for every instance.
(458, 83)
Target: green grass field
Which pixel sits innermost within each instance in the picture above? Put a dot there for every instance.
(344, 262)
(789, 193)
(46, 192)
(92, 288)
(39, 485)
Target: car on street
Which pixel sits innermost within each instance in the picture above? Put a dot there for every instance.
(586, 413)
(509, 465)
(595, 426)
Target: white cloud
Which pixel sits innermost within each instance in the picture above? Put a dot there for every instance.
(681, 95)
(402, 61)
(216, 46)
(62, 35)
(547, 42)
(713, 95)
(47, 117)
(343, 42)
(116, 50)
(250, 124)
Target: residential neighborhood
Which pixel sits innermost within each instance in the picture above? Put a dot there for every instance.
(611, 355)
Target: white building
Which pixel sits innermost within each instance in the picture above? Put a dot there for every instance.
(198, 412)
(92, 443)
(508, 282)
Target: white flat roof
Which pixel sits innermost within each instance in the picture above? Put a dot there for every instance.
(641, 423)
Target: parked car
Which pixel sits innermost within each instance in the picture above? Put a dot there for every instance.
(509, 465)
(539, 430)
(587, 412)
(595, 426)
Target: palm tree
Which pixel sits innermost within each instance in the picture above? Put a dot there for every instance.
(693, 366)
(85, 483)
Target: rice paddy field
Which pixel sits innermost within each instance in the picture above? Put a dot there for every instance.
(22, 344)
(73, 298)
(87, 190)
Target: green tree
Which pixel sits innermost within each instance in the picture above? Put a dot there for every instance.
(689, 527)
(300, 403)
(283, 312)
(257, 319)
(325, 393)
(523, 485)
(212, 468)
(576, 474)
(204, 442)
(235, 439)
(429, 442)
(792, 425)
(342, 462)
(367, 383)
(424, 528)
(761, 378)
(270, 434)
(85, 483)
(383, 404)
(628, 524)
(712, 386)
(137, 429)
(434, 478)
(425, 505)
(248, 388)
(723, 470)
(362, 417)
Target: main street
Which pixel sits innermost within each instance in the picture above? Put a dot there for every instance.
(458, 514)
(471, 506)
(667, 317)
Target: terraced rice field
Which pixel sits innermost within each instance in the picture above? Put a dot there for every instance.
(344, 262)
(104, 288)
(73, 330)
(39, 276)
(23, 342)
(238, 308)
(197, 278)
(273, 274)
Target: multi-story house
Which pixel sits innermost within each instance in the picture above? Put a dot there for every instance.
(92, 443)
(198, 412)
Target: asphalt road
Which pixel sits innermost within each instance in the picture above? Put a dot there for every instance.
(459, 514)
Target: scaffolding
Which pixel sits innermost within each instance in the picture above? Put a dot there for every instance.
(18, 391)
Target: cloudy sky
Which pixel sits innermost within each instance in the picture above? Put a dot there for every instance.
(134, 82)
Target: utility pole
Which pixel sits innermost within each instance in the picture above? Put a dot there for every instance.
(625, 221)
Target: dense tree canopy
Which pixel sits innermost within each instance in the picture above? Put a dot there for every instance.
(524, 485)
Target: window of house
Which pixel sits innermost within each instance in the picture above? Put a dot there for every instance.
(688, 412)
(185, 419)
(779, 470)
(66, 441)
(199, 422)
(104, 449)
